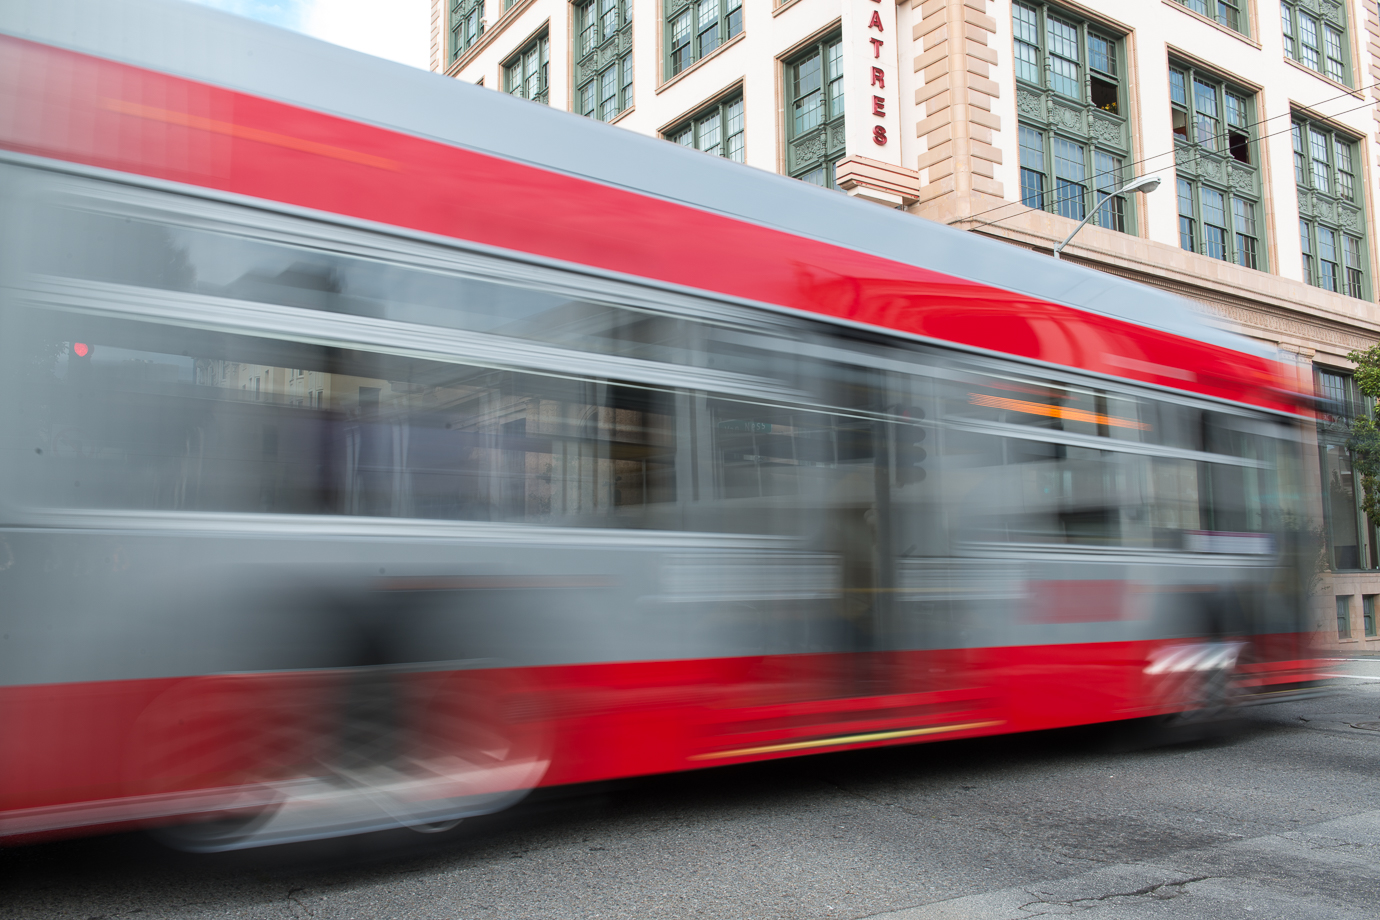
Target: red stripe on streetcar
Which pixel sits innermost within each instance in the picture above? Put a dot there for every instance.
(150, 741)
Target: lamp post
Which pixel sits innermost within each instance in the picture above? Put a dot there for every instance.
(1145, 184)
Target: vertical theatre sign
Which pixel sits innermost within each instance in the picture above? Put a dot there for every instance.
(870, 80)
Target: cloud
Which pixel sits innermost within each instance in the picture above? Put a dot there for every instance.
(399, 30)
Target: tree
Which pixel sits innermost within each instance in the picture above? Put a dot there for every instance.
(1364, 439)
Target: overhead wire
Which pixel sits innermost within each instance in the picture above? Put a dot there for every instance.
(1193, 158)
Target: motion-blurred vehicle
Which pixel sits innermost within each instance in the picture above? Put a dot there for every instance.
(376, 448)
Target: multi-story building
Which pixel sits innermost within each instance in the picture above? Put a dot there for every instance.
(1015, 119)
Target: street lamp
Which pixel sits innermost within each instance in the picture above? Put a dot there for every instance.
(1145, 184)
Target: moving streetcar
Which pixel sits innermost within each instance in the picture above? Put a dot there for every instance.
(377, 448)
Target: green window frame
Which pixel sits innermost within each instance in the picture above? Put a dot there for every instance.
(603, 58)
(1226, 12)
(1343, 616)
(527, 73)
(1074, 137)
(1351, 539)
(1332, 226)
(1315, 35)
(716, 129)
(466, 25)
(1216, 163)
(1368, 613)
(814, 112)
(694, 28)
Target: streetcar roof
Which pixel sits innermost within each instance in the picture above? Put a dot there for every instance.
(209, 46)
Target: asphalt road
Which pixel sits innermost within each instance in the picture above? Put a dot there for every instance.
(1283, 820)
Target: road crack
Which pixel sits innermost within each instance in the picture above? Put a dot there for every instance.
(1174, 889)
(298, 902)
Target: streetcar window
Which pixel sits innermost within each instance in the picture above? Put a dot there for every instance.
(68, 242)
(166, 418)
(1061, 487)
(160, 417)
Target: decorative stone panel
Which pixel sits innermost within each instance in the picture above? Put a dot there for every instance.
(1350, 218)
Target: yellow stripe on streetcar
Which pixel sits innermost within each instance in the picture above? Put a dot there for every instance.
(844, 739)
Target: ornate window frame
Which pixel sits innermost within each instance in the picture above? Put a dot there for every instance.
(527, 73)
(717, 128)
(814, 126)
(1217, 166)
(1329, 172)
(1074, 127)
(465, 24)
(1231, 14)
(694, 28)
(1316, 36)
(602, 51)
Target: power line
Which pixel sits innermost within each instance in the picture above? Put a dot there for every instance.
(1174, 151)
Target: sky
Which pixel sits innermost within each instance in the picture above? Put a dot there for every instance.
(394, 29)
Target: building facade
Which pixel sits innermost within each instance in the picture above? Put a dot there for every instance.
(1016, 119)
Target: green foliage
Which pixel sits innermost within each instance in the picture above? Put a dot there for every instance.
(1364, 440)
(1367, 375)
(1364, 443)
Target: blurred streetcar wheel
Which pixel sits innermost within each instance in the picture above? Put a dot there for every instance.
(308, 755)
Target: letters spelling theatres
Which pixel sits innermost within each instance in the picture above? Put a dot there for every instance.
(878, 79)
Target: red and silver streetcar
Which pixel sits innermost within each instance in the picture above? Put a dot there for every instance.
(376, 448)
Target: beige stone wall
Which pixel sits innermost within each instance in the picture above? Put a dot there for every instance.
(954, 50)
(438, 31)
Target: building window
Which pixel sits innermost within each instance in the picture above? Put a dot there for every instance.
(1350, 538)
(1368, 613)
(466, 25)
(1074, 137)
(717, 129)
(1331, 223)
(1343, 617)
(696, 27)
(1218, 177)
(1227, 12)
(526, 73)
(814, 112)
(1315, 36)
(603, 58)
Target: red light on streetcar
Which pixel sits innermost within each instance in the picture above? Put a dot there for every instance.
(80, 349)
